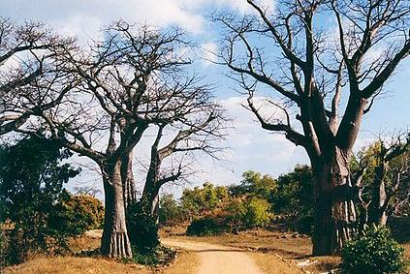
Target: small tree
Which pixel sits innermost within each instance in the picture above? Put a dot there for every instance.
(294, 198)
(257, 213)
(31, 182)
(170, 212)
(382, 179)
(255, 184)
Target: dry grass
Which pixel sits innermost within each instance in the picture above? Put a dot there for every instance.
(75, 265)
(286, 245)
(322, 264)
(185, 263)
(271, 263)
(406, 247)
(83, 243)
(91, 240)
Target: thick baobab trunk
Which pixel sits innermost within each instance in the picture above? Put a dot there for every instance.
(335, 212)
(115, 242)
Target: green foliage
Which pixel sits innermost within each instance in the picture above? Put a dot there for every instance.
(199, 201)
(31, 183)
(238, 214)
(170, 212)
(142, 228)
(256, 213)
(373, 253)
(255, 185)
(161, 255)
(294, 199)
(236, 210)
(254, 202)
(77, 214)
(209, 225)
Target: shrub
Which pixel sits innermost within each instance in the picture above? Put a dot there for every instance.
(373, 253)
(257, 213)
(160, 256)
(236, 211)
(206, 226)
(77, 214)
(143, 229)
(170, 212)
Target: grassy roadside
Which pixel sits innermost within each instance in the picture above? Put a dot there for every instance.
(75, 265)
(185, 263)
(273, 264)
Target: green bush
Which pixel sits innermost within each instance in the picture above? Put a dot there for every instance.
(77, 214)
(373, 253)
(170, 212)
(206, 226)
(160, 256)
(257, 213)
(143, 229)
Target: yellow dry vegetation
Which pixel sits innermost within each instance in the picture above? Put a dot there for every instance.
(185, 263)
(83, 243)
(273, 264)
(75, 265)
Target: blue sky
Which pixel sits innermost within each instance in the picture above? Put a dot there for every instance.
(250, 146)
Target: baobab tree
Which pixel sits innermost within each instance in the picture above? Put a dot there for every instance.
(26, 56)
(198, 136)
(313, 69)
(134, 79)
(382, 180)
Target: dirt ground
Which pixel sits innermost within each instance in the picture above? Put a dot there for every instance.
(218, 259)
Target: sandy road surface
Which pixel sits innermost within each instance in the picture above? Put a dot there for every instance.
(217, 259)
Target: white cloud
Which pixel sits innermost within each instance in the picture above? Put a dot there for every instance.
(208, 53)
(85, 18)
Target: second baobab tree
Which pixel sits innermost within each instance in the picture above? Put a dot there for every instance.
(322, 78)
(135, 78)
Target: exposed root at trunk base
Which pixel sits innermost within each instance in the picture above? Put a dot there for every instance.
(118, 246)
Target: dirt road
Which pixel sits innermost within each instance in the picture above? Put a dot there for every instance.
(217, 259)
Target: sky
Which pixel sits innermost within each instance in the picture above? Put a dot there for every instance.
(250, 147)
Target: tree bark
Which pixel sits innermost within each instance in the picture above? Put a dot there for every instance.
(115, 242)
(377, 208)
(335, 213)
(150, 198)
(128, 181)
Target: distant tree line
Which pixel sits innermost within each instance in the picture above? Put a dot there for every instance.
(380, 171)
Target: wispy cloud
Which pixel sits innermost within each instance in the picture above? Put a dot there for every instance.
(208, 53)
